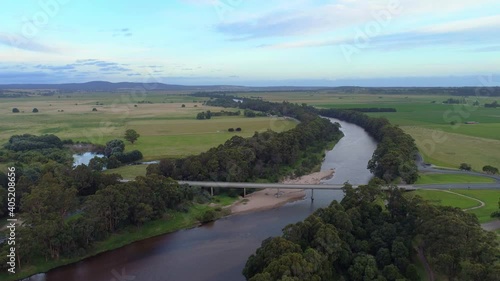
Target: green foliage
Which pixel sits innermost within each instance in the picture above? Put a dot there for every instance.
(15, 110)
(490, 169)
(465, 167)
(31, 142)
(131, 135)
(358, 240)
(35, 110)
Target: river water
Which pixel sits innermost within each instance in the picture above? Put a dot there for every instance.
(218, 251)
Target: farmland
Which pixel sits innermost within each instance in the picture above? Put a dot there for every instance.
(439, 129)
(167, 128)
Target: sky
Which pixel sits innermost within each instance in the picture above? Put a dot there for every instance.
(252, 42)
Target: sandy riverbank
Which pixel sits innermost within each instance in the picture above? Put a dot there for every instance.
(267, 198)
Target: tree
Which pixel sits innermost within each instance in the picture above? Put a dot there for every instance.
(131, 135)
(35, 110)
(200, 116)
(465, 167)
(183, 105)
(230, 130)
(490, 169)
(15, 110)
(94, 109)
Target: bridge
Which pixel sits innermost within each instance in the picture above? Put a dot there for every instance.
(245, 185)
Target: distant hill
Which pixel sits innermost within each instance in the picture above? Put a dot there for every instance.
(99, 86)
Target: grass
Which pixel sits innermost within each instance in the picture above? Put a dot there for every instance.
(167, 129)
(444, 198)
(172, 222)
(452, 178)
(489, 197)
(129, 172)
(450, 149)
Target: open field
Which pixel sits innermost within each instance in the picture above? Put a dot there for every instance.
(167, 129)
(444, 198)
(489, 197)
(451, 178)
(129, 172)
(427, 119)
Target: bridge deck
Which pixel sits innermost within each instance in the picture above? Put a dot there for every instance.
(274, 185)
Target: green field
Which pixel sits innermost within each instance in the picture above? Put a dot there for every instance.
(129, 172)
(451, 178)
(440, 142)
(444, 198)
(167, 129)
(489, 197)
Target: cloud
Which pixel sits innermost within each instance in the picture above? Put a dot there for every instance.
(20, 42)
(122, 32)
(481, 30)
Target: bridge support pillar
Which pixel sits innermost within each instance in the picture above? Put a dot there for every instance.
(212, 191)
(244, 192)
(312, 194)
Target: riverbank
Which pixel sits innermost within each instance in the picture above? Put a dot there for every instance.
(269, 198)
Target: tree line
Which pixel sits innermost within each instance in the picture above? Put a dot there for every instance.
(394, 157)
(359, 239)
(267, 155)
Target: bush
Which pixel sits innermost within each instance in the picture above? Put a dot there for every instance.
(208, 216)
(183, 105)
(465, 167)
(35, 110)
(94, 109)
(230, 130)
(15, 110)
(238, 129)
(490, 169)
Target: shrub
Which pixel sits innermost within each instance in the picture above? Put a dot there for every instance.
(94, 109)
(238, 129)
(15, 110)
(465, 167)
(35, 110)
(230, 130)
(183, 105)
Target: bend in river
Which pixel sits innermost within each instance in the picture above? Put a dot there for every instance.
(219, 250)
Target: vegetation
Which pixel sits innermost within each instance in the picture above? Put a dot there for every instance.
(451, 178)
(131, 135)
(465, 167)
(490, 169)
(358, 239)
(392, 161)
(15, 110)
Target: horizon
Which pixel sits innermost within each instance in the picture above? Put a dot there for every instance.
(393, 43)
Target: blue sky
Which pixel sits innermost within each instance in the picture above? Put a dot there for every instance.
(252, 42)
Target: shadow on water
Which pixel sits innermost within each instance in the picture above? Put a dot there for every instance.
(218, 251)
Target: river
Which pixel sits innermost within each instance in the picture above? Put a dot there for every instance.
(219, 250)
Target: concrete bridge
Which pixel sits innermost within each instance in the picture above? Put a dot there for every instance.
(245, 185)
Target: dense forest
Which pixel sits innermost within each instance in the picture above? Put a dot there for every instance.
(362, 239)
(394, 157)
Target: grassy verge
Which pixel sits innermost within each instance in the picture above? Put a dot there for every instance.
(444, 198)
(171, 222)
(452, 178)
(489, 197)
(129, 172)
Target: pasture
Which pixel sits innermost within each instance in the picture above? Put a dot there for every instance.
(439, 129)
(167, 128)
